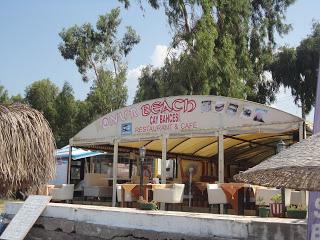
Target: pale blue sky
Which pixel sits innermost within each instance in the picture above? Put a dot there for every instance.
(29, 40)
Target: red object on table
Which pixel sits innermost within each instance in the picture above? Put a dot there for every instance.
(134, 189)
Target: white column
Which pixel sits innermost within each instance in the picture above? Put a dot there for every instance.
(304, 198)
(221, 158)
(115, 173)
(301, 137)
(221, 162)
(69, 164)
(301, 131)
(163, 165)
(164, 159)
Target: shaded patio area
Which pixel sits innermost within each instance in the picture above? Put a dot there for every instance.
(190, 140)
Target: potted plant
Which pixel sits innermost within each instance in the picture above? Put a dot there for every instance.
(276, 207)
(298, 212)
(145, 205)
(263, 210)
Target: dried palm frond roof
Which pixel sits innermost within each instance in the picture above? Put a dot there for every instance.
(27, 149)
(297, 167)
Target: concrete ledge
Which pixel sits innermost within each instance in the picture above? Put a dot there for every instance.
(111, 223)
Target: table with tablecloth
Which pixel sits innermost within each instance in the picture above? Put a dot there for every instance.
(235, 195)
(202, 186)
(131, 187)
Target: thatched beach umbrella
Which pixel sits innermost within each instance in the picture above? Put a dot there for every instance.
(27, 149)
(297, 167)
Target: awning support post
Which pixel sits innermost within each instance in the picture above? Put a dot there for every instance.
(221, 163)
(69, 165)
(221, 158)
(302, 135)
(163, 165)
(164, 160)
(115, 173)
(301, 131)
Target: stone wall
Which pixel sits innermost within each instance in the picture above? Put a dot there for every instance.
(64, 221)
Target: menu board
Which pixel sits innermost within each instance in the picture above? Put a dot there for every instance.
(24, 219)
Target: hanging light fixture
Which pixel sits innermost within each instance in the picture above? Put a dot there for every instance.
(142, 151)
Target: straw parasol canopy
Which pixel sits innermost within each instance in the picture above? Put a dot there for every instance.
(297, 167)
(27, 149)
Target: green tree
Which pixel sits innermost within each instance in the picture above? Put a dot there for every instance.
(41, 95)
(17, 99)
(296, 68)
(6, 99)
(4, 96)
(100, 54)
(227, 45)
(148, 86)
(96, 50)
(66, 110)
(108, 93)
(83, 116)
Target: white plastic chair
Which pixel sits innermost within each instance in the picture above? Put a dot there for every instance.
(215, 195)
(127, 195)
(169, 195)
(295, 197)
(96, 185)
(62, 192)
(264, 195)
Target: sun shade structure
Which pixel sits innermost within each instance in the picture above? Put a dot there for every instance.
(77, 153)
(297, 167)
(27, 149)
(216, 129)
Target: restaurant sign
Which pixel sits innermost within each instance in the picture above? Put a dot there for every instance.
(181, 115)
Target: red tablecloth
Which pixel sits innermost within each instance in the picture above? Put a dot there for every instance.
(231, 191)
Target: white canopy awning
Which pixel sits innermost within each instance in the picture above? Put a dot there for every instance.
(191, 124)
(77, 153)
(224, 129)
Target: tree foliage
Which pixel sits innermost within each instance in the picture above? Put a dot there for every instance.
(226, 46)
(17, 99)
(6, 99)
(83, 116)
(66, 111)
(96, 49)
(65, 115)
(100, 51)
(4, 96)
(108, 93)
(41, 95)
(148, 86)
(296, 68)
(100, 56)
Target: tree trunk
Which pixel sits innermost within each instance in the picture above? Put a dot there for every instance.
(185, 16)
(303, 109)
